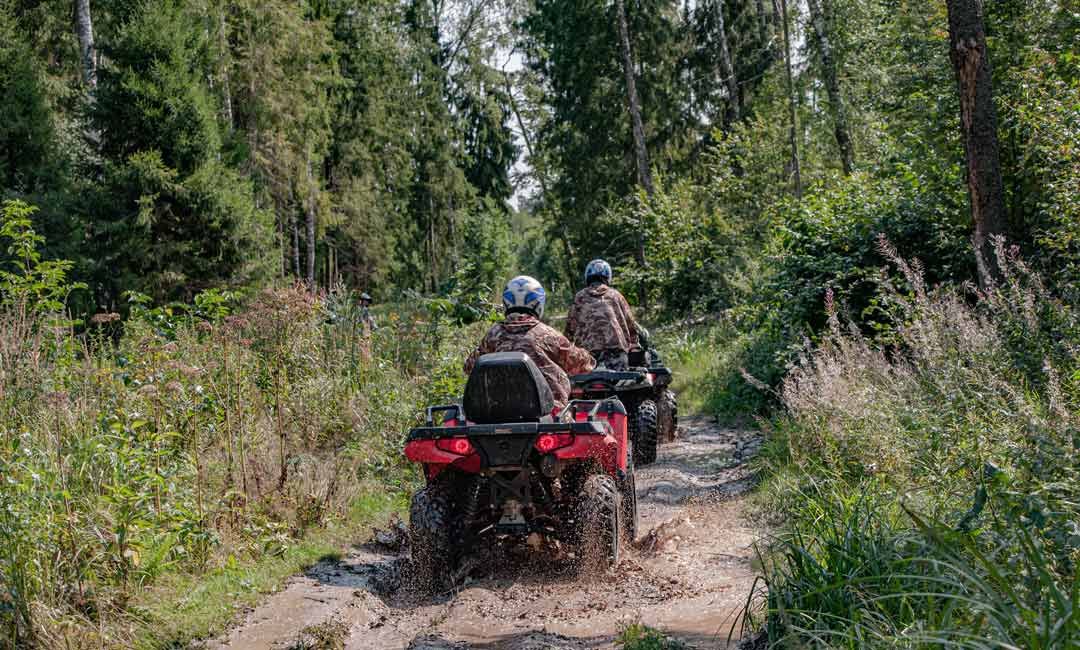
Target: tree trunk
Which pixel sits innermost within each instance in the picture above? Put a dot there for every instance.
(641, 153)
(978, 121)
(295, 249)
(633, 103)
(226, 88)
(727, 66)
(793, 116)
(832, 84)
(85, 29)
(762, 23)
(311, 205)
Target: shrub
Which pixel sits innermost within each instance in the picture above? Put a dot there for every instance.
(929, 477)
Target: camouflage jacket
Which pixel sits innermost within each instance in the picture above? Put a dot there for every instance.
(600, 319)
(556, 357)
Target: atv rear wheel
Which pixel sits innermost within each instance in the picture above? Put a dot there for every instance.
(430, 538)
(668, 411)
(599, 519)
(645, 432)
(629, 497)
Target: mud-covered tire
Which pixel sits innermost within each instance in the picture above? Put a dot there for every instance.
(629, 497)
(600, 521)
(430, 526)
(668, 412)
(646, 432)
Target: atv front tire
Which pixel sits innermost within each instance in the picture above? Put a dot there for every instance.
(430, 538)
(600, 521)
(668, 411)
(646, 432)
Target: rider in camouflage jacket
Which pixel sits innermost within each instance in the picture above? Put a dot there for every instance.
(553, 354)
(600, 320)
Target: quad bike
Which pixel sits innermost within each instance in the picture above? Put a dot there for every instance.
(505, 464)
(645, 391)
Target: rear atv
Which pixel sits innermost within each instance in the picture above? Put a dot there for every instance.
(645, 392)
(505, 465)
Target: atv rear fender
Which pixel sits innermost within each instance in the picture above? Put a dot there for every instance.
(596, 431)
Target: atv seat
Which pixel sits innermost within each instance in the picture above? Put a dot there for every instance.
(507, 387)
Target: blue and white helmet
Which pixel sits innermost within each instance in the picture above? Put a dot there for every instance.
(524, 294)
(598, 270)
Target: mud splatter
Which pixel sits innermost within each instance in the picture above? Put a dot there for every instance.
(689, 574)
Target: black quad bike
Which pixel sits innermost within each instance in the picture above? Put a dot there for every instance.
(645, 391)
(505, 464)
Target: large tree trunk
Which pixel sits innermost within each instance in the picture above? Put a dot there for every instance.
(793, 115)
(978, 121)
(226, 88)
(727, 66)
(85, 30)
(832, 84)
(641, 153)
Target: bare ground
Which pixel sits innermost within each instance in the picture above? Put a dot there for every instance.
(688, 575)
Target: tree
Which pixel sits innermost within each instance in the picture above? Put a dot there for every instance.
(84, 27)
(793, 116)
(978, 123)
(829, 68)
(727, 67)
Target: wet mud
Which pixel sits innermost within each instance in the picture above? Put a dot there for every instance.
(688, 574)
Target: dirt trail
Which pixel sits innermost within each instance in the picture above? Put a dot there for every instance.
(689, 576)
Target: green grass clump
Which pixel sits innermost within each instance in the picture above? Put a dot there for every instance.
(638, 636)
(927, 480)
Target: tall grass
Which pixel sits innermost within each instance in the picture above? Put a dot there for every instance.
(928, 477)
(185, 437)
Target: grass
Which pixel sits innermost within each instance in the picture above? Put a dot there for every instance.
(927, 480)
(638, 636)
(187, 608)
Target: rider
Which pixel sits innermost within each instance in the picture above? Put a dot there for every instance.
(522, 331)
(600, 320)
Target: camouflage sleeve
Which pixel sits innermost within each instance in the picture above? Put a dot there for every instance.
(631, 324)
(573, 359)
(571, 323)
(483, 348)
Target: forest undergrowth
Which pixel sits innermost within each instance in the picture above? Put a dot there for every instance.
(163, 469)
(924, 482)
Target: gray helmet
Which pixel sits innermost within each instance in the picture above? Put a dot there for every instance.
(365, 297)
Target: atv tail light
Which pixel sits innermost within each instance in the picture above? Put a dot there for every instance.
(597, 387)
(549, 442)
(459, 446)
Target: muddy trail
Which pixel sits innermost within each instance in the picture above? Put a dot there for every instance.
(688, 574)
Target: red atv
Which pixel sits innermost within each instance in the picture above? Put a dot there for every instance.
(505, 464)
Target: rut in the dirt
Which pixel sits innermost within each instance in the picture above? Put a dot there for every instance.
(689, 575)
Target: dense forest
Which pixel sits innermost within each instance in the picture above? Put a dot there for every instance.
(855, 222)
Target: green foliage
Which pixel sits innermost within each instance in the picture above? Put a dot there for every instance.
(641, 637)
(27, 133)
(930, 490)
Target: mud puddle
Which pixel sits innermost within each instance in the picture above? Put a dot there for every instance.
(688, 574)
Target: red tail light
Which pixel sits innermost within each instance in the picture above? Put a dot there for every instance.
(549, 442)
(598, 387)
(459, 446)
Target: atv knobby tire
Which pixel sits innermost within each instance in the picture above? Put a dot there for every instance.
(668, 412)
(629, 497)
(645, 431)
(430, 537)
(600, 522)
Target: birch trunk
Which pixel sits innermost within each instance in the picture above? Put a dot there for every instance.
(793, 116)
(84, 27)
(832, 84)
(727, 66)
